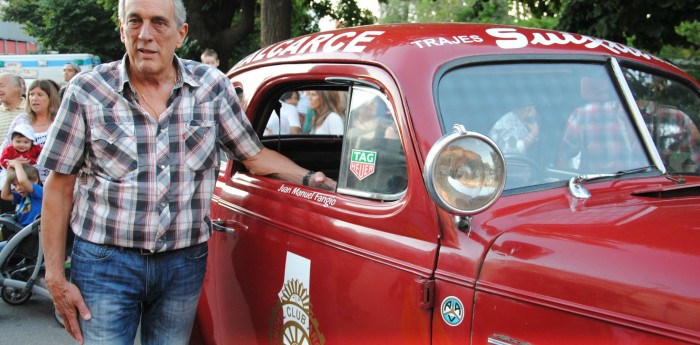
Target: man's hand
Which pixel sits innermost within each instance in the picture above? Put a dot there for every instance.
(320, 180)
(69, 302)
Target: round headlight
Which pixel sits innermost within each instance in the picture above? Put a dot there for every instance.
(465, 172)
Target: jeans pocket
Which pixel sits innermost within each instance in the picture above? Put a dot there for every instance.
(90, 251)
(196, 252)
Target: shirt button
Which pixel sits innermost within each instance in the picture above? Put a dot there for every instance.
(163, 205)
(162, 167)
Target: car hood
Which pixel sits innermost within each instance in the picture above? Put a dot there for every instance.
(628, 254)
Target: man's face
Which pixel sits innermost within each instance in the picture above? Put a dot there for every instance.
(150, 34)
(69, 72)
(9, 90)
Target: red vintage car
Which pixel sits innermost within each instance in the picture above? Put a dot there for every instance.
(496, 185)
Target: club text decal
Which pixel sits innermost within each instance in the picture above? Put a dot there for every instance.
(362, 163)
(307, 194)
(292, 318)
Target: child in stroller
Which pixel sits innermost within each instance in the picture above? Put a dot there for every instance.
(21, 252)
(22, 265)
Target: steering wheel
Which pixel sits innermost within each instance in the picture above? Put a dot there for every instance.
(522, 170)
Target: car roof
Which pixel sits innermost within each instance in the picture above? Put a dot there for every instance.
(397, 45)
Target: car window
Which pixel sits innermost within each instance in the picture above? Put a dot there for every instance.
(552, 121)
(373, 163)
(349, 134)
(671, 111)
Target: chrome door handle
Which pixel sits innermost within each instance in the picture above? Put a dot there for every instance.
(220, 225)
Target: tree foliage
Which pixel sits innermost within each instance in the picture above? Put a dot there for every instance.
(645, 24)
(67, 26)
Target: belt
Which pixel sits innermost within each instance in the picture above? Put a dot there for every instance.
(142, 251)
(146, 252)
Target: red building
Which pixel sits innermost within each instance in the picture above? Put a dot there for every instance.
(13, 40)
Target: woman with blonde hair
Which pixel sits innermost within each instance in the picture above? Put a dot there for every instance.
(327, 112)
(42, 105)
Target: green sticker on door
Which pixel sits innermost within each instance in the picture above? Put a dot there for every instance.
(362, 163)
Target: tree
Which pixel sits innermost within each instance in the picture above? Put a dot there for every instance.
(644, 24)
(275, 20)
(67, 26)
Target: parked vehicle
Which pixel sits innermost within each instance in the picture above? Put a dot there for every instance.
(584, 231)
(45, 66)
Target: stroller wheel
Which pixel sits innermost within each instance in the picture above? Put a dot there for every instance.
(14, 296)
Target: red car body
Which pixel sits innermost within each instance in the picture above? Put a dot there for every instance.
(296, 265)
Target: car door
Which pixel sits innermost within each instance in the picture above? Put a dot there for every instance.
(296, 264)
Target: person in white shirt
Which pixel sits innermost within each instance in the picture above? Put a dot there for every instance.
(289, 122)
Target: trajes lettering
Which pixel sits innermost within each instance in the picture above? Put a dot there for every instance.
(440, 41)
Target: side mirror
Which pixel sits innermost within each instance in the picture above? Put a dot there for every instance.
(465, 172)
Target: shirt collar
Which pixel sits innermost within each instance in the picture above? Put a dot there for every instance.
(183, 75)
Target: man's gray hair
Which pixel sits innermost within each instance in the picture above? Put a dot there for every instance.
(180, 12)
(16, 81)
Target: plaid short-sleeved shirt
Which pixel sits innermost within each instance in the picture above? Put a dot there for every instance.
(146, 183)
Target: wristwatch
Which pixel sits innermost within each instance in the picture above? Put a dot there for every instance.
(305, 180)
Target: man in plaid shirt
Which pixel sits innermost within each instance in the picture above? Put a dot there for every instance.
(675, 135)
(134, 154)
(599, 138)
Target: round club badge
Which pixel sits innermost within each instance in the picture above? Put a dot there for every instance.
(452, 310)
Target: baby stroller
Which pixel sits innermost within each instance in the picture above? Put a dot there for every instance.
(22, 263)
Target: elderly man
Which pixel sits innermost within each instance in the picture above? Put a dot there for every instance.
(11, 100)
(139, 139)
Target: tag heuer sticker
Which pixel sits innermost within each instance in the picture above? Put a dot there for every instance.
(362, 163)
(452, 310)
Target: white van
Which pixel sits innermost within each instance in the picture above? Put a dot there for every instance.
(45, 66)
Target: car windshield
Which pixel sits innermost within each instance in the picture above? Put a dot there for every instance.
(552, 121)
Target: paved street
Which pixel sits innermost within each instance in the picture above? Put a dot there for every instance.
(31, 324)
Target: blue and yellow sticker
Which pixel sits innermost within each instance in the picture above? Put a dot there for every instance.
(452, 310)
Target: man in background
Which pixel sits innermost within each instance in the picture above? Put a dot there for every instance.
(12, 101)
(69, 71)
(210, 57)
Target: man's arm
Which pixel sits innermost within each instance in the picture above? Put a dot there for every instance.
(268, 162)
(55, 214)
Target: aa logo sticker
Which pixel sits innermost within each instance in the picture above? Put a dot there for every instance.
(362, 163)
(452, 311)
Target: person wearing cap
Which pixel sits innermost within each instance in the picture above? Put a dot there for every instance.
(22, 146)
(70, 70)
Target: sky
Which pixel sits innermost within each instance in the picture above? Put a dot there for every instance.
(372, 5)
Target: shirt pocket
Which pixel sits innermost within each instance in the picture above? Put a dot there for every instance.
(200, 145)
(114, 146)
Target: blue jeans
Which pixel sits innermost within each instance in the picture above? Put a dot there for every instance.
(121, 288)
